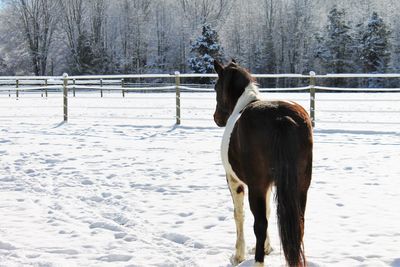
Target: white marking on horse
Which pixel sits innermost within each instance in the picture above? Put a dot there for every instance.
(239, 219)
(267, 245)
(249, 95)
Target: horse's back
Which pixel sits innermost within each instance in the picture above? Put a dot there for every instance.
(265, 113)
(268, 118)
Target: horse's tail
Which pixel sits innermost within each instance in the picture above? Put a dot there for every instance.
(286, 156)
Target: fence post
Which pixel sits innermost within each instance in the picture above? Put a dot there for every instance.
(122, 86)
(101, 85)
(65, 96)
(73, 88)
(178, 97)
(45, 89)
(312, 97)
(17, 86)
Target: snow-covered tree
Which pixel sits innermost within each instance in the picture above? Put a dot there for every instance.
(136, 36)
(337, 45)
(135, 30)
(73, 28)
(205, 50)
(38, 19)
(375, 46)
(266, 61)
(86, 56)
(4, 69)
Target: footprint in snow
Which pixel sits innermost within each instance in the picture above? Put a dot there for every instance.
(130, 238)
(207, 227)
(106, 226)
(106, 194)
(87, 182)
(6, 246)
(114, 258)
(119, 235)
(221, 218)
(183, 240)
(183, 214)
(64, 251)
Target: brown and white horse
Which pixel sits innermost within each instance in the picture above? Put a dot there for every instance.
(265, 143)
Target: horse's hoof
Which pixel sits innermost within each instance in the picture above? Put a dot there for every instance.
(259, 264)
(236, 260)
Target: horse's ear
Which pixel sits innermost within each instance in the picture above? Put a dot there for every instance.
(233, 60)
(218, 67)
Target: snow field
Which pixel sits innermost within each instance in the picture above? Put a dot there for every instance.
(111, 188)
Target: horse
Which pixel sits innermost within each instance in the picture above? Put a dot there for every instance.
(265, 144)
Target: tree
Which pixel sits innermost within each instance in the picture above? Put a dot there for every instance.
(38, 19)
(194, 15)
(205, 11)
(73, 26)
(265, 54)
(205, 50)
(86, 56)
(134, 30)
(338, 43)
(336, 47)
(136, 36)
(268, 47)
(375, 53)
(374, 49)
(4, 68)
(98, 21)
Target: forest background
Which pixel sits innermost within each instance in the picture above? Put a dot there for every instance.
(49, 37)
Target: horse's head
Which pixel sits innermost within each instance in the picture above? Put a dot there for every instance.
(231, 83)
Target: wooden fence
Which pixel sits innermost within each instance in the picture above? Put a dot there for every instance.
(67, 83)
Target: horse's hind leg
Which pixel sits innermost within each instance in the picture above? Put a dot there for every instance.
(257, 200)
(267, 246)
(237, 192)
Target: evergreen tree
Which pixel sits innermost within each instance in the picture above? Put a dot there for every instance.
(83, 57)
(263, 56)
(336, 47)
(374, 47)
(86, 55)
(205, 50)
(270, 59)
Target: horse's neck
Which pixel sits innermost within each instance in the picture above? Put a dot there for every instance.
(249, 95)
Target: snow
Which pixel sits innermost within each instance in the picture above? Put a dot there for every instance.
(117, 186)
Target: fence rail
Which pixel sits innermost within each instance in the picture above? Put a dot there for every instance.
(65, 83)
